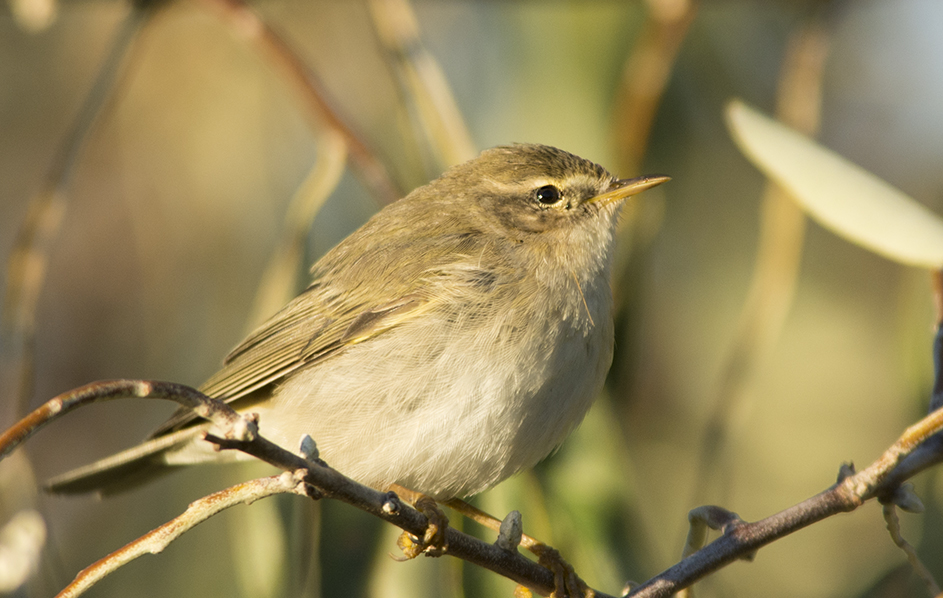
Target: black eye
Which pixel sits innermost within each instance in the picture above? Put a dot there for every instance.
(548, 194)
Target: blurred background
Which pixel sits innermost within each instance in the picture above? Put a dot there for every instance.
(207, 156)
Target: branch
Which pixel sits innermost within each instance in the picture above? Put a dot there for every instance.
(905, 458)
(909, 455)
(387, 506)
(199, 511)
(319, 479)
(207, 408)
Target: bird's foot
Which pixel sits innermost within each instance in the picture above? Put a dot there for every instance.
(566, 583)
(433, 541)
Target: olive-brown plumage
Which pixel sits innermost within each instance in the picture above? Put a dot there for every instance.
(454, 339)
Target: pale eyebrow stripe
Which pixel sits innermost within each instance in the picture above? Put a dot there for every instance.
(573, 181)
(517, 187)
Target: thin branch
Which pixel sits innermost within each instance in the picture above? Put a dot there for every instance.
(199, 511)
(387, 506)
(248, 24)
(879, 480)
(211, 409)
(893, 527)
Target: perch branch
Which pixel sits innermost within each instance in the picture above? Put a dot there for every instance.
(320, 480)
(880, 480)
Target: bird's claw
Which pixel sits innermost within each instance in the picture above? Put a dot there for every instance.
(566, 583)
(433, 542)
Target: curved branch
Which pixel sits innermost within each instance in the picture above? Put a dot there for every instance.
(319, 479)
(199, 511)
(211, 409)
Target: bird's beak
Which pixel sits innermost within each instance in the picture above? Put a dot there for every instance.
(622, 188)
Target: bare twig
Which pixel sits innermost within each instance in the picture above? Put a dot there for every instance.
(248, 24)
(240, 435)
(199, 511)
(387, 506)
(216, 411)
(879, 480)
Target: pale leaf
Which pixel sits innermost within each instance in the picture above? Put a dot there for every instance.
(839, 195)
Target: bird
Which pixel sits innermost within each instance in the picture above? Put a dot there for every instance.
(453, 340)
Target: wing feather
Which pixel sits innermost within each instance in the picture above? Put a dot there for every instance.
(395, 277)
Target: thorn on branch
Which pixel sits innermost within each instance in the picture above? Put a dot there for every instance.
(710, 517)
(905, 497)
(628, 587)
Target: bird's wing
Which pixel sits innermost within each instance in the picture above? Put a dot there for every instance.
(392, 280)
(301, 334)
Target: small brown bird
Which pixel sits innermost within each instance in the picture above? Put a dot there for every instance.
(453, 340)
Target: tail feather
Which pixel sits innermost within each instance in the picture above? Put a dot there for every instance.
(124, 470)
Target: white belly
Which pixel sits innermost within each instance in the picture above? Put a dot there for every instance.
(451, 415)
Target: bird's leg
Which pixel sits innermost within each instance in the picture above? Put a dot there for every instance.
(433, 541)
(565, 580)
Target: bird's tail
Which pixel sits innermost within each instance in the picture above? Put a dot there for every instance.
(128, 468)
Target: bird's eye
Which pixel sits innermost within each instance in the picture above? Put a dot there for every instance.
(548, 194)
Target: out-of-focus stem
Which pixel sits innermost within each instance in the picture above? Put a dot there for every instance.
(776, 270)
(280, 280)
(645, 76)
(246, 23)
(28, 261)
(423, 81)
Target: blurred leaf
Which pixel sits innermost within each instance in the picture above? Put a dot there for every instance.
(838, 194)
(21, 541)
(34, 16)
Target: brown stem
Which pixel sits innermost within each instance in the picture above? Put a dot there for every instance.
(246, 23)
